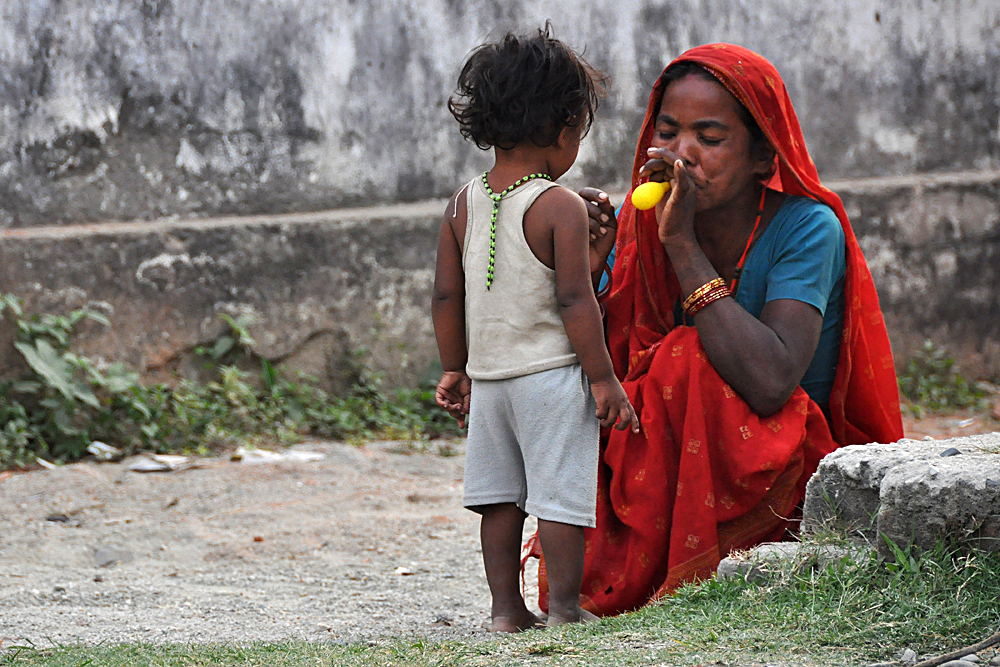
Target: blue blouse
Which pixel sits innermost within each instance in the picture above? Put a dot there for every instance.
(801, 256)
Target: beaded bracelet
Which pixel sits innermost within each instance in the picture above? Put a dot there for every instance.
(719, 292)
(702, 291)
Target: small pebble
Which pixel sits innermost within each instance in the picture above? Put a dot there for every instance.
(995, 660)
(958, 663)
(972, 657)
(908, 657)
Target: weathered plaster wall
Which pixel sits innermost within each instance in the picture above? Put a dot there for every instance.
(163, 110)
(933, 245)
(138, 109)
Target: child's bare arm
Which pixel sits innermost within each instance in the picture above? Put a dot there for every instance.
(567, 214)
(448, 312)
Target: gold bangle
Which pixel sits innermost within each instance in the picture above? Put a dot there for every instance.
(702, 291)
(714, 295)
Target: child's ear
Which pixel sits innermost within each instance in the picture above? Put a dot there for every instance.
(567, 135)
(563, 137)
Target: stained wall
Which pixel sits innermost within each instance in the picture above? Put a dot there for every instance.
(166, 161)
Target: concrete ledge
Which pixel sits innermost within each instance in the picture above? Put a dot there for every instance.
(932, 242)
(320, 286)
(323, 284)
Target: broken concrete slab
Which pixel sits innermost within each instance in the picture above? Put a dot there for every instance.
(955, 499)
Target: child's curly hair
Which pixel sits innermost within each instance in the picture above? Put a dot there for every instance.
(523, 88)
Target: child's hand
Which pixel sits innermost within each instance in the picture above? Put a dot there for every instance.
(613, 405)
(453, 393)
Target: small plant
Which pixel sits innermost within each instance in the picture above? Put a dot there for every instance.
(933, 382)
(64, 401)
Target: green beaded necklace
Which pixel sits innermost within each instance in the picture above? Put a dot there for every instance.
(493, 216)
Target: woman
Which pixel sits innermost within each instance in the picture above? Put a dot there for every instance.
(744, 325)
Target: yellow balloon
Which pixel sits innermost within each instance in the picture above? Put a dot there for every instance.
(647, 195)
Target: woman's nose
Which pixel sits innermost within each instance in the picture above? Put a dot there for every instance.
(686, 149)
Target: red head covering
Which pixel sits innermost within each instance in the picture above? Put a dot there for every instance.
(864, 403)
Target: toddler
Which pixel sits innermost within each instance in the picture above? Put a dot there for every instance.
(517, 323)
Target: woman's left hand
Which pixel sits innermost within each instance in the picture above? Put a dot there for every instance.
(603, 226)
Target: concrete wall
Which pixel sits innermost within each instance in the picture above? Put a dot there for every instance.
(235, 132)
(138, 109)
(933, 245)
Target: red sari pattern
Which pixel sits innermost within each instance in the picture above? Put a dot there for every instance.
(706, 475)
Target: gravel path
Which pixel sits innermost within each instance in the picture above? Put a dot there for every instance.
(365, 542)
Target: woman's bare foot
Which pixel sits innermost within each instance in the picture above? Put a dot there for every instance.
(582, 616)
(525, 621)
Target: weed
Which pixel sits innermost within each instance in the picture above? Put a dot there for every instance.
(64, 401)
(932, 381)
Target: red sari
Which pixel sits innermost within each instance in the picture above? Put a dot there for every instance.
(706, 475)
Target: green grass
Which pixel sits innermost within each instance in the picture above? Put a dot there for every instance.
(849, 614)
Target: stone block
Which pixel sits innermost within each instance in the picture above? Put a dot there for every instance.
(954, 499)
(843, 494)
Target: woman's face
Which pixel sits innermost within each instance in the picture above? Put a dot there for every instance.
(699, 120)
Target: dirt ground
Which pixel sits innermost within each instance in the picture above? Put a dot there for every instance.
(365, 542)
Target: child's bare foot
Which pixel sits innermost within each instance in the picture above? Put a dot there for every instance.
(582, 616)
(520, 623)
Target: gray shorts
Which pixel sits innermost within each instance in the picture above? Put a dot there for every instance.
(533, 441)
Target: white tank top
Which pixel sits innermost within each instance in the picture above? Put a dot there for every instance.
(513, 328)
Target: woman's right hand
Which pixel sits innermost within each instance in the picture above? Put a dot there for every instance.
(675, 213)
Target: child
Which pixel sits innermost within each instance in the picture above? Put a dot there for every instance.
(515, 311)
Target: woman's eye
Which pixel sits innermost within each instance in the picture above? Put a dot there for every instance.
(711, 142)
(666, 136)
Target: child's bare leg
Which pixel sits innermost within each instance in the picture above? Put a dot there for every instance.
(563, 547)
(500, 532)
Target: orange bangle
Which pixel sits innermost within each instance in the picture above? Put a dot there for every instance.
(702, 291)
(713, 295)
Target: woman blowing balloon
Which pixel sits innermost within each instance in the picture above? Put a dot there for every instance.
(743, 324)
